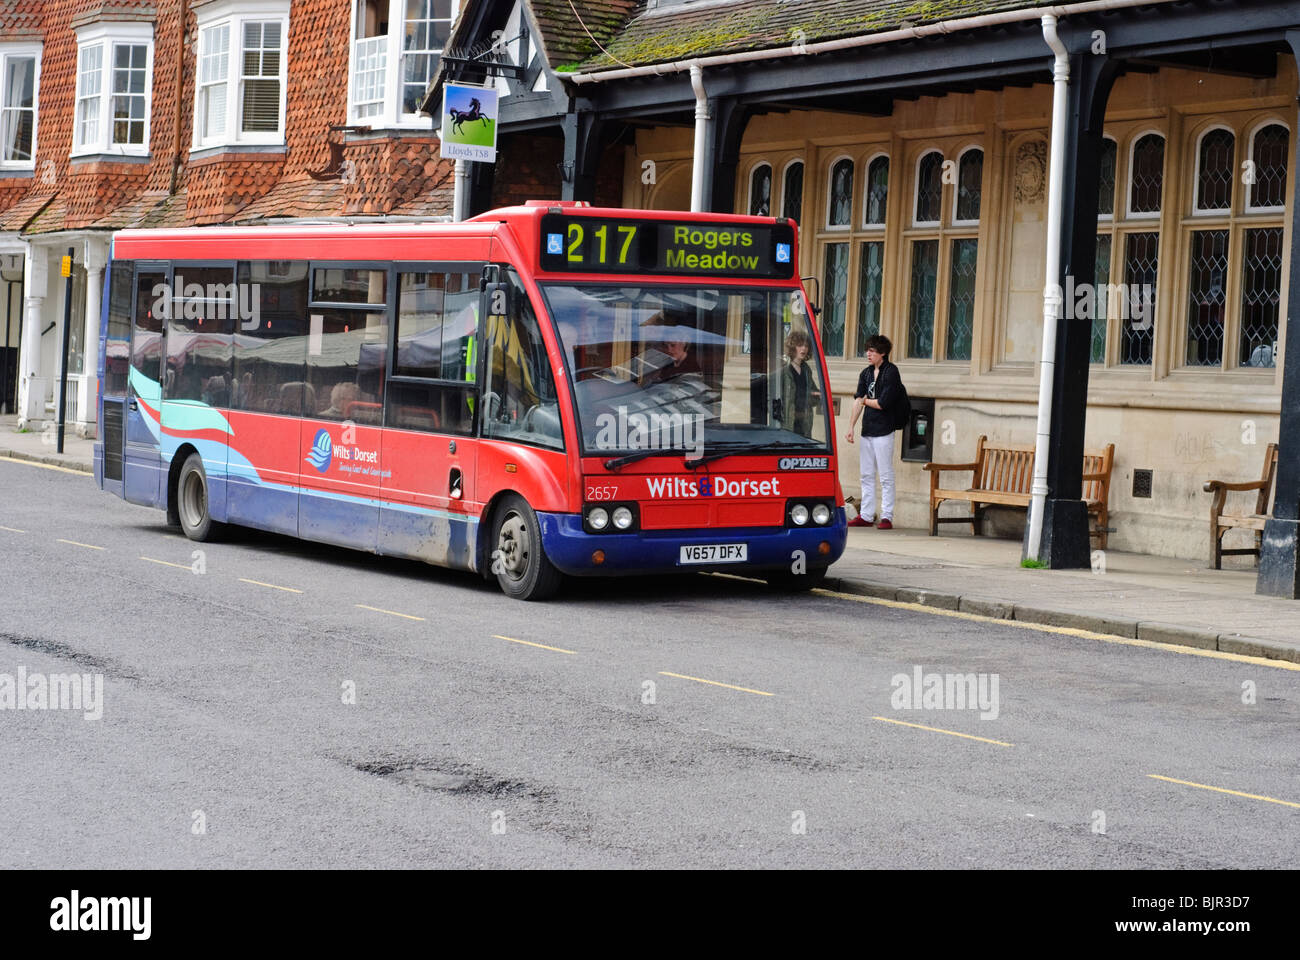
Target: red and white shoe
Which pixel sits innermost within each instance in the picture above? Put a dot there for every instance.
(859, 522)
(885, 525)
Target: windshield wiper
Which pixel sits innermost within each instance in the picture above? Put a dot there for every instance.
(617, 462)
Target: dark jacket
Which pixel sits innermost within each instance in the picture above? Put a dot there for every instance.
(885, 388)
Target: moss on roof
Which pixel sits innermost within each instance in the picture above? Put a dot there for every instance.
(705, 29)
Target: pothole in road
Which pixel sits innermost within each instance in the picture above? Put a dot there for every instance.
(62, 651)
(447, 776)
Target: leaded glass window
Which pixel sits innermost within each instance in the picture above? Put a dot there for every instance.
(1207, 300)
(929, 187)
(1106, 178)
(961, 299)
(877, 191)
(1215, 171)
(792, 192)
(1268, 167)
(836, 300)
(1101, 308)
(1146, 178)
(841, 200)
(1141, 266)
(970, 176)
(920, 315)
(760, 191)
(871, 274)
(1261, 296)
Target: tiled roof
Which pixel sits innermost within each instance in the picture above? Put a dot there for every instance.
(21, 213)
(20, 19)
(568, 38)
(298, 198)
(708, 28)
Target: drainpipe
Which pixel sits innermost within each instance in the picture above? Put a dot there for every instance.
(1052, 294)
(460, 192)
(180, 100)
(702, 132)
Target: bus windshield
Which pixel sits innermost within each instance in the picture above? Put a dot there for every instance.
(695, 369)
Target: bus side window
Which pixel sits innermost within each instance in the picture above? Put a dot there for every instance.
(519, 397)
(347, 346)
(434, 363)
(198, 335)
(271, 339)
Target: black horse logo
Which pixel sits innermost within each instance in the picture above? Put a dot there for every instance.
(459, 117)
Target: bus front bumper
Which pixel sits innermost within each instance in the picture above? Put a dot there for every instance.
(573, 551)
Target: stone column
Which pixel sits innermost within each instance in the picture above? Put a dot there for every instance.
(32, 387)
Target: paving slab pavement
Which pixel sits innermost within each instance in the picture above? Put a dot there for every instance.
(40, 447)
(1160, 599)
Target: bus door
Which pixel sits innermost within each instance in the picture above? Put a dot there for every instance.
(142, 455)
(429, 450)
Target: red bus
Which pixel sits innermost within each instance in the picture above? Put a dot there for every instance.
(541, 391)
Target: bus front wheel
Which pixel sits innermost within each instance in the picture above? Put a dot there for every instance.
(192, 501)
(518, 559)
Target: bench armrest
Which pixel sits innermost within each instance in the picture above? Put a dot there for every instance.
(941, 467)
(1212, 485)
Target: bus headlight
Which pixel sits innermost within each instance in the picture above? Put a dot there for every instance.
(799, 514)
(598, 519)
(622, 518)
(821, 514)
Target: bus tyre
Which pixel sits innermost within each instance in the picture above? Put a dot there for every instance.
(518, 559)
(797, 582)
(192, 501)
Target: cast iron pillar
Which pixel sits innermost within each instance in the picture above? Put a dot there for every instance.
(1065, 542)
(1279, 569)
(730, 119)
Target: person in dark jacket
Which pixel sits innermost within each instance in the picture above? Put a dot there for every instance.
(879, 388)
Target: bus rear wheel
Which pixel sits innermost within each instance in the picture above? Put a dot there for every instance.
(518, 558)
(192, 501)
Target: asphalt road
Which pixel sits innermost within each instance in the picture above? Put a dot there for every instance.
(687, 721)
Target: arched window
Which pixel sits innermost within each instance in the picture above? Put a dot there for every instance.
(970, 177)
(1106, 178)
(929, 187)
(1214, 170)
(840, 208)
(1268, 160)
(760, 191)
(877, 191)
(1147, 175)
(792, 192)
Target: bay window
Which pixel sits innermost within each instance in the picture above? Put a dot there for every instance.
(114, 65)
(242, 59)
(20, 68)
(396, 45)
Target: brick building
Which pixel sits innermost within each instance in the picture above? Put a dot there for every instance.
(144, 113)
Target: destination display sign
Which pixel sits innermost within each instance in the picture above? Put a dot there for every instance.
(573, 244)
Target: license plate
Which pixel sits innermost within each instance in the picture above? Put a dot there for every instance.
(715, 553)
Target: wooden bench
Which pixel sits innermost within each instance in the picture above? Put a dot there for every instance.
(1003, 476)
(1221, 522)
